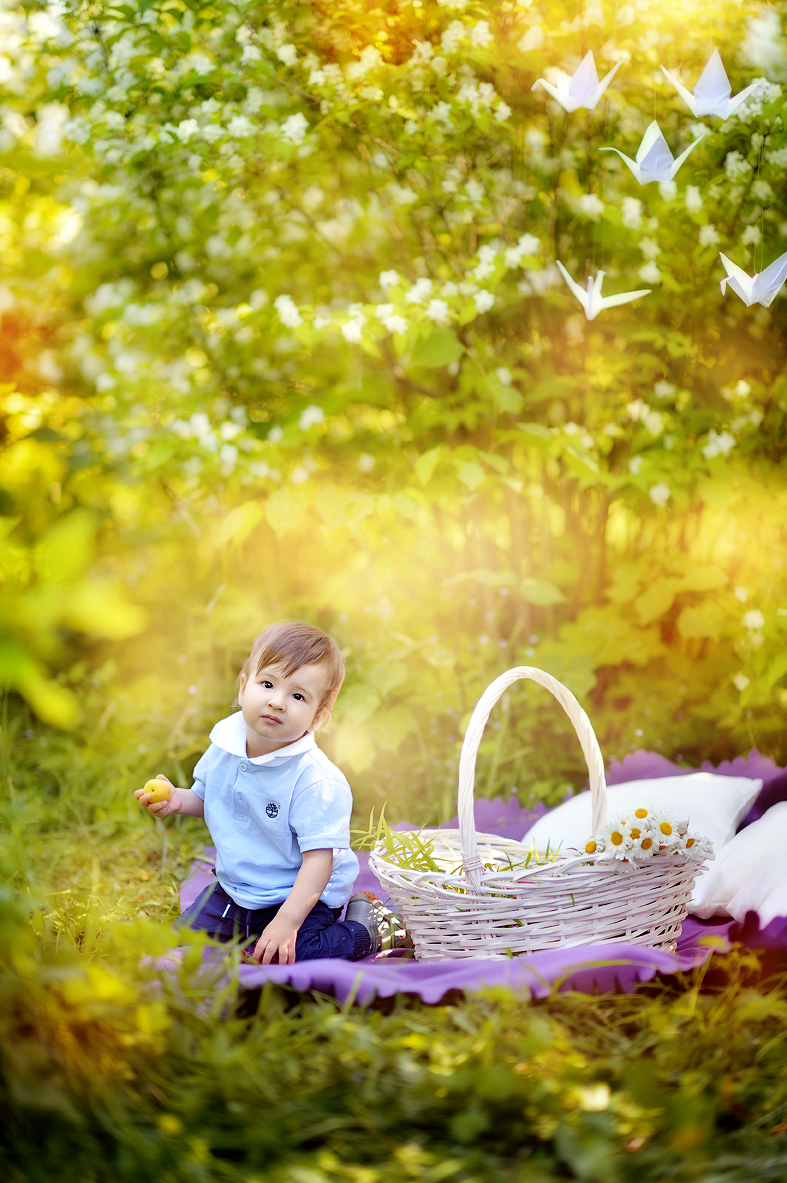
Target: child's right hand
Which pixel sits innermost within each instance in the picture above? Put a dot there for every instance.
(159, 808)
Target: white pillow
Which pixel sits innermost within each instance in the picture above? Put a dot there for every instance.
(740, 861)
(714, 805)
(765, 893)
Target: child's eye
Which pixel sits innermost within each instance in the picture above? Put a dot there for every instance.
(268, 685)
(299, 697)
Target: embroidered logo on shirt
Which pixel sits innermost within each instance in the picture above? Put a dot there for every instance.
(272, 809)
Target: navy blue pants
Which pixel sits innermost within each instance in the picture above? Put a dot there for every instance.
(322, 934)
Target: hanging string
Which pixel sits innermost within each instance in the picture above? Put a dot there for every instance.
(760, 168)
(605, 136)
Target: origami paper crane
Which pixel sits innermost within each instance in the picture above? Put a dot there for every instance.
(760, 288)
(592, 300)
(654, 161)
(712, 92)
(583, 89)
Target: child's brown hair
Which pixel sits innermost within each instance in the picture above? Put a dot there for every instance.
(293, 644)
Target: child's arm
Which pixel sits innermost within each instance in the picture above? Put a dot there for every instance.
(182, 801)
(279, 936)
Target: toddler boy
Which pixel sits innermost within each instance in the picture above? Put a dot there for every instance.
(278, 812)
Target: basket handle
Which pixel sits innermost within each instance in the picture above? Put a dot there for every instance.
(598, 786)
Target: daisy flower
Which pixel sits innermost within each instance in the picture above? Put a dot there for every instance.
(698, 847)
(665, 829)
(644, 846)
(617, 838)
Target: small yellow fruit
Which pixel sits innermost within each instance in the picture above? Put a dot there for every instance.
(159, 790)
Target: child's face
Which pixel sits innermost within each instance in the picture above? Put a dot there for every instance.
(278, 710)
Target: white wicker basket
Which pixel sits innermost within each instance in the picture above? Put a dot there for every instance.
(467, 910)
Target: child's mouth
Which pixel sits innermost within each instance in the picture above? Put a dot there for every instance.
(271, 719)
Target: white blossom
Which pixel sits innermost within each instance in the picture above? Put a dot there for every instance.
(186, 129)
(663, 389)
(693, 199)
(239, 125)
(453, 36)
(288, 311)
(437, 311)
(708, 235)
(631, 211)
(740, 681)
(533, 39)
(311, 416)
(503, 111)
(295, 127)
(424, 50)
(741, 594)
(481, 35)
(396, 324)
(660, 494)
(421, 290)
(718, 445)
(287, 54)
(591, 206)
(484, 300)
(352, 331)
(753, 620)
(388, 279)
(650, 272)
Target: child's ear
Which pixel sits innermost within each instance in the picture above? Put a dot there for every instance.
(241, 688)
(321, 717)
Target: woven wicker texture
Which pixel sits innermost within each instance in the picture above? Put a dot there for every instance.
(484, 901)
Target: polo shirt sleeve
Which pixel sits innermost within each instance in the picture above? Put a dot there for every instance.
(200, 775)
(320, 815)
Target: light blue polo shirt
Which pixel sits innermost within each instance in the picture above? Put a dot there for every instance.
(263, 812)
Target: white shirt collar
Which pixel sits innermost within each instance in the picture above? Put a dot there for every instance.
(230, 735)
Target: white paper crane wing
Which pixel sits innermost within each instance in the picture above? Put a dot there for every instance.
(624, 298)
(654, 161)
(582, 89)
(578, 291)
(760, 288)
(741, 283)
(712, 92)
(769, 282)
(592, 300)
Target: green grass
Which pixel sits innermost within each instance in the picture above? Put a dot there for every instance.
(113, 1070)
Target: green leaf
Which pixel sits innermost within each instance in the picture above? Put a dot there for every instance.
(536, 434)
(657, 599)
(357, 704)
(387, 676)
(470, 474)
(391, 726)
(240, 522)
(285, 510)
(541, 593)
(703, 621)
(440, 348)
(704, 578)
(67, 547)
(426, 464)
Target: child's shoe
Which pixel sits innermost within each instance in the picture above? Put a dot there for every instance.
(385, 928)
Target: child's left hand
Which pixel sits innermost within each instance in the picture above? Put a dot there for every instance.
(279, 937)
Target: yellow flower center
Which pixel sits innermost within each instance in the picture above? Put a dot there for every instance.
(665, 828)
(616, 838)
(640, 813)
(647, 843)
(689, 842)
(635, 833)
(591, 847)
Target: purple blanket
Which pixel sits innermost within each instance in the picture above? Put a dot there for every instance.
(591, 969)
